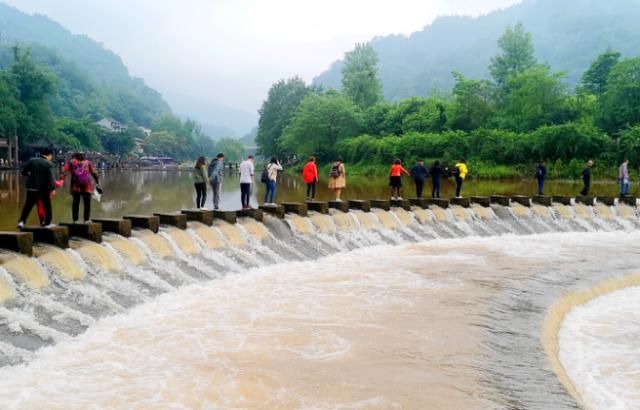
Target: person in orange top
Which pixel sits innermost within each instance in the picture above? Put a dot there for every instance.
(310, 177)
(395, 178)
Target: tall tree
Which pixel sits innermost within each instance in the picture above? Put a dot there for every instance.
(360, 76)
(517, 54)
(595, 78)
(277, 111)
(620, 103)
(474, 103)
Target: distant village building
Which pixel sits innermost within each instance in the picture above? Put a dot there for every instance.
(145, 131)
(138, 148)
(112, 125)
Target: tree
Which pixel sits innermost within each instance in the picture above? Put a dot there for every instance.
(85, 132)
(233, 150)
(595, 78)
(620, 103)
(473, 103)
(360, 76)
(277, 111)
(517, 55)
(120, 143)
(320, 123)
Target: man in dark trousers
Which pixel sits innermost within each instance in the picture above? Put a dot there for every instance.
(40, 186)
(586, 178)
(419, 174)
(541, 175)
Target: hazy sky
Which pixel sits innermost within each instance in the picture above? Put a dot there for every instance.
(231, 51)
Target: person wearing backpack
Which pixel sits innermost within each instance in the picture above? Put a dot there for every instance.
(541, 175)
(272, 169)
(419, 173)
(81, 171)
(40, 186)
(200, 178)
(215, 178)
(460, 172)
(310, 177)
(436, 172)
(337, 178)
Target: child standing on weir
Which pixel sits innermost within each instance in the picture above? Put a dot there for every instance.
(395, 178)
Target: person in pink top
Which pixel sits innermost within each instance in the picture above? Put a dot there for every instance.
(310, 177)
(395, 178)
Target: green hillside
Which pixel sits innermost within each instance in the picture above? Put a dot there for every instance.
(568, 35)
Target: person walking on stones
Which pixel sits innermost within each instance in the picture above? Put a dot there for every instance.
(247, 169)
(310, 177)
(216, 166)
(395, 178)
(541, 175)
(623, 175)
(419, 173)
(338, 178)
(436, 173)
(200, 179)
(81, 170)
(272, 169)
(460, 172)
(40, 186)
(586, 178)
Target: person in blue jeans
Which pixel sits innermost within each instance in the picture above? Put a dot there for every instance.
(541, 175)
(272, 175)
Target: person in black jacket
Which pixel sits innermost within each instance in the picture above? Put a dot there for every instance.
(436, 173)
(419, 173)
(586, 178)
(40, 186)
(541, 175)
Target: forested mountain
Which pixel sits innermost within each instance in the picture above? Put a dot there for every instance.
(567, 34)
(91, 80)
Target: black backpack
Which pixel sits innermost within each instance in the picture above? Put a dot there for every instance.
(264, 177)
(335, 171)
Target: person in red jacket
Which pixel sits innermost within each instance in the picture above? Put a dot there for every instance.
(395, 178)
(81, 171)
(310, 177)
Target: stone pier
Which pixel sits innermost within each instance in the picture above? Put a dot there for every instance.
(196, 215)
(119, 226)
(481, 200)
(442, 203)
(151, 223)
(586, 200)
(501, 200)
(57, 235)
(419, 202)
(359, 204)
(522, 200)
(173, 219)
(339, 205)
(275, 210)
(463, 202)
(256, 214)
(295, 208)
(629, 200)
(561, 199)
(227, 216)
(381, 204)
(542, 200)
(91, 231)
(607, 200)
(318, 206)
(401, 203)
(21, 242)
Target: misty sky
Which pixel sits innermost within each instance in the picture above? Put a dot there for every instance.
(231, 51)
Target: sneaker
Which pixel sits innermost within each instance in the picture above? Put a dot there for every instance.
(215, 208)
(338, 200)
(88, 221)
(49, 226)
(20, 225)
(204, 208)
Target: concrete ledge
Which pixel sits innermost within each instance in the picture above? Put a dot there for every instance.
(481, 200)
(275, 210)
(381, 204)
(91, 231)
(295, 208)
(359, 204)
(57, 236)
(421, 202)
(196, 215)
(227, 216)
(463, 202)
(500, 200)
(607, 200)
(151, 223)
(177, 220)
(120, 226)
(339, 205)
(522, 200)
(256, 214)
(318, 206)
(629, 200)
(561, 199)
(442, 203)
(542, 200)
(401, 203)
(21, 242)
(586, 200)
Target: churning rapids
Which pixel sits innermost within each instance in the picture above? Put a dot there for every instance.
(501, 307)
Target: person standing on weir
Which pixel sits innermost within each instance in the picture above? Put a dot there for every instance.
(247, 169)
(395, 179)
(310, 177)
(40, 186)
(460, 172)
(272, 177)
(419, 173)
(436, 173)
(586, 178)
(541, 174)
(200, 182)
(623, 175)
(216, 166)
(81, 171)
(337, 178)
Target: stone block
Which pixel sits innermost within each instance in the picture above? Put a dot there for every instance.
(149, 222)
(120, 226)
(381, 204)
(227, 216)
(256, 214)
(401, 203)
(481, 200)
(177, 220)
(440, 202)
(91, 231)
(463, 202)
(629, 200)
(196, 215)
(542, 200)
(21, 242)
(561, 199)
(522, 200)
(500, 200)
(275, 210)
(419, 202)
(360, 204)
(586, 200)
(607, 200)
(295, 208)
(318, 206)
(339, 205)
(57, 235)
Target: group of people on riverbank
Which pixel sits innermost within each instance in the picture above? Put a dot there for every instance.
(623, 177)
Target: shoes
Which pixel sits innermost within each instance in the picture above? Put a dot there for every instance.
(88, 221)
(75, 222)
(20, 225)
(49, 226)
(338, 200)
(204, 208)
(215, 208)
(399, 198)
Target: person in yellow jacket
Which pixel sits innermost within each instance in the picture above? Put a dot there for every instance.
(460, 172)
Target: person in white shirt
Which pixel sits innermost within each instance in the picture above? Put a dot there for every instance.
(246, 181)
(272, 172)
